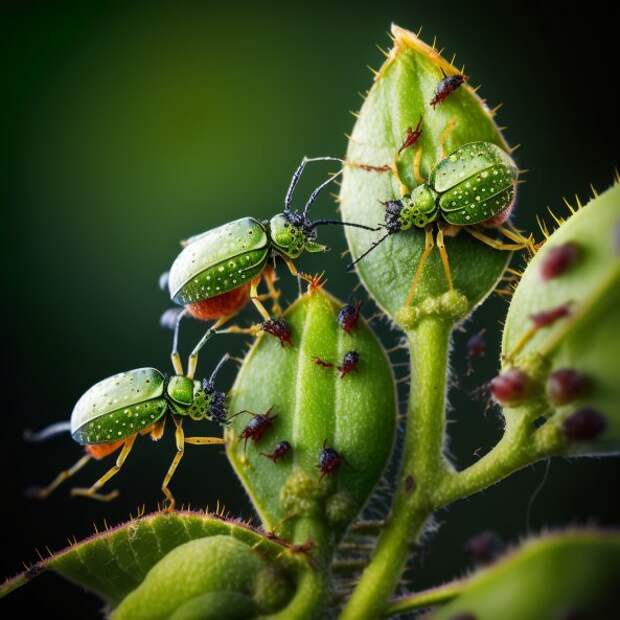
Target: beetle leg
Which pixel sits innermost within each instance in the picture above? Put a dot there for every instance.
(256, 301)
(269, 275)
(42, 493)
(443, 138)
(517, 237)
(92, 491)
(429, 243)
(444, 256)
(180, 443)
(192, 362)
(297, 274)
(175, 357)
(498, 245)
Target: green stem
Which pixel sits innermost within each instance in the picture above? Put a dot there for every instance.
(427, 598)
(422, 468)
(311, 594)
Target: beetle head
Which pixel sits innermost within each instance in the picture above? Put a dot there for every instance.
(293, 233)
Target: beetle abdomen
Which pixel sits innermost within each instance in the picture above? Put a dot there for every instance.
(222, 277)
(120, 424)
(101, 450)
(479, 198)
(220, 305)
(203, 269)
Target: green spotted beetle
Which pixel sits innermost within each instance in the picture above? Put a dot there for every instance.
(113, 412)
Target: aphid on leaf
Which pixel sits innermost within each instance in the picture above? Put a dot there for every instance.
(510, 387)
(278, 328)
(112, 413)
(476, 349)
(257, 426)
(329, 460)
(412, 136)
(584, 425)
(349, 316)
(549, 317)
(281, 450)
(446, 86)
(219, 270)
(321, 362)
(349, 363)
(558, 259)
(472, 186)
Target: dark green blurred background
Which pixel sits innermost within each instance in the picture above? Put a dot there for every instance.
(128, 126)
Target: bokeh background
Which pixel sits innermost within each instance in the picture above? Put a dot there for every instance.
(128, 126)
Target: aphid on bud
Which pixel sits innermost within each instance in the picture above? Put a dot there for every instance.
(349, 316)
(565, 385)
(549, 317)
(446, 86)
(476, 348)
(350, 362)
(321, 362)
(329, 460)
(257, 426)
(584, 424)
(280, 329)
(558, 259)
(281, 450)
(510, 387)
(413, 135)
(485, 548)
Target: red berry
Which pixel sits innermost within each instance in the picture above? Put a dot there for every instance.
(510, 387)
(565, 385)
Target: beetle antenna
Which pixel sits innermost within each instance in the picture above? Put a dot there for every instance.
(47, 433)
(368, 251)
(217, 369)
(340, 223)
(297, 174)
(317, 191)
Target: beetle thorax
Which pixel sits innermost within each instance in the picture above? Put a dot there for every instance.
(181, 390)
(419, 208)
(290, 233)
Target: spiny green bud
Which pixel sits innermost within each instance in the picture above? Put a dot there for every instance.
(413, 118)
(331, 396)
(564, 314)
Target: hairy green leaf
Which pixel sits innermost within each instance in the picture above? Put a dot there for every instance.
(572, 362)
(315, 407)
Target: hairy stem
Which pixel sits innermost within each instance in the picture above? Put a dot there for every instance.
(422, 468)
(426, 598)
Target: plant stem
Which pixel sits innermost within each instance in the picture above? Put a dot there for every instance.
(427, 598)
(422, 468)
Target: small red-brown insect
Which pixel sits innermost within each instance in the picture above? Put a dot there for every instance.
(485, 548)
(281, 450)
(447, 86)
(413, 135)
(278, 328)
(257, 426)
(350, 362)
(349, 316)
(321, 362)
(548, 317)
(329, 460)
(558, 259)
(476, 348)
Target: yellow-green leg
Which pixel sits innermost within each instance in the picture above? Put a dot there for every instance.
(429, 243)
(180, 443)
(274, 294)
(192, 362)
(444, 257)
(92, 491)
(517, 237)
(254, 296)
(60, 478)
(494, 243)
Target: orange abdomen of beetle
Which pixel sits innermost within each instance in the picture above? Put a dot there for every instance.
(220, 305)
(101, 450)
